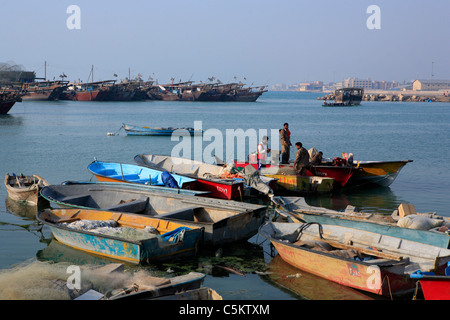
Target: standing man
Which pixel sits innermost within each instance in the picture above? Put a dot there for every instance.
(285, 141)
(301, 161)
(262, 152)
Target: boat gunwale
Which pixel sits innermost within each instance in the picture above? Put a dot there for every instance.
(330, 255)
(226, 181)
(54, 224)
(193, 181)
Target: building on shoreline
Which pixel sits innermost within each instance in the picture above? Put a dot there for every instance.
(320, 86)
(431, 85)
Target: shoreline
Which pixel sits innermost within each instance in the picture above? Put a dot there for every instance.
(401, 96)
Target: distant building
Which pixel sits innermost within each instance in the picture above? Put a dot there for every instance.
(366, 84)
(311, 86)
(431, 85)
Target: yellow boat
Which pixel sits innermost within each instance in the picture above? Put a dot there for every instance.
(121, 236)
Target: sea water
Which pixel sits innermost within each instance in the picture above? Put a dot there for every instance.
(59, 139)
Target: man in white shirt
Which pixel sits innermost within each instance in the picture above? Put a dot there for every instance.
(262, 152)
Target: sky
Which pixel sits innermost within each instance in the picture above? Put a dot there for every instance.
(265, 42)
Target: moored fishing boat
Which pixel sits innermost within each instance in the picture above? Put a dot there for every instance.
(341, 175)
(378, 173)
(359, 259)
(210, 178)
(223, 221)
(346, 97)
(42, 90)
(428, 228)
(8, 100)
(121, 236)
(289, 182)
(25, 188)
(89, 91)
(128, 173)
(133, 130)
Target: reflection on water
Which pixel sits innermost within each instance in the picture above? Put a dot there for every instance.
(22, 209)
(306, 285)
(10, 120)
(378, 199)
(219, 262)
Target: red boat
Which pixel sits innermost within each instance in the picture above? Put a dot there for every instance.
(433, 287)
(91, 91)
(341, 175)
(210, 178)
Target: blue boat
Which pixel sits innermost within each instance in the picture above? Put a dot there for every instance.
(128, 173)
(132, 130)
(297, 210)
(132, 238)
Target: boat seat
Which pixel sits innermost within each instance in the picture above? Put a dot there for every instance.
(107, 172)
(127, 177)
(182, 214)
(83, 200)
(135, 206)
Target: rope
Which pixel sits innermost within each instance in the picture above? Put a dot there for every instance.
(306, 225)
(113, 134)
(389, 285)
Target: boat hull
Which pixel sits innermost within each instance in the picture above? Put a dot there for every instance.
(379, 173)
(341, 175)
(223, 221)
(228, 189)
(5, 107)
(26, 189)
(438, 239)
(296, 184)
(125, 173)
(435, 289)
(352, 274)
(119, 248)
(146, 131)
(382, 266)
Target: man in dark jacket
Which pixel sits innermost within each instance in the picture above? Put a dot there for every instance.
(285, 141)
(301, 162)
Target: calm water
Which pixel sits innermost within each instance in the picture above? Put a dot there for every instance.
(58, 140)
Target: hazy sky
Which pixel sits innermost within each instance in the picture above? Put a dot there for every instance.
(268, 42)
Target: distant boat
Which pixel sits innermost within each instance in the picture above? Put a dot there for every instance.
(121, 236)
(89, 91)
(25, 188)
(223, 221)
(43, 90)
(358, 259)
(128, 173)
(132, 130)
(346, 97)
